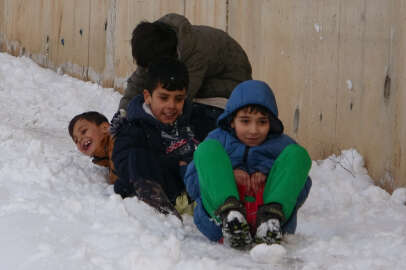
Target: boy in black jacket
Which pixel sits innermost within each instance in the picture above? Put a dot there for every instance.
(154, 145)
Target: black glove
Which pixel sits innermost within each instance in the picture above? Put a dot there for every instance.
(124, 188)
(118, 120)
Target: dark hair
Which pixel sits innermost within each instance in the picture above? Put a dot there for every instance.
(171, 73)
(152, 40)
(94, 117)
(253, 108)
(275, 125)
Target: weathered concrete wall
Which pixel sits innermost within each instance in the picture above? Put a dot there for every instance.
(331, 65)
(337, 67)
(398, 91)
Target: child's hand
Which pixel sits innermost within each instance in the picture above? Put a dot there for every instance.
(257, 180)
(242, 177)
(182, 163)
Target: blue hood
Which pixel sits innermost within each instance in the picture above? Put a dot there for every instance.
(251, 92)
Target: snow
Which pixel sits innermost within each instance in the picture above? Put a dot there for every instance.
(268, 254)
(58, 212)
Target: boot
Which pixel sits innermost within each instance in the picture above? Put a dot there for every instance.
(236, 231)
(152, 194)
(269, 219)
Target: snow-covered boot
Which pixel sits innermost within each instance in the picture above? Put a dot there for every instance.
(269, 218)
(152, 194)
(236, 231)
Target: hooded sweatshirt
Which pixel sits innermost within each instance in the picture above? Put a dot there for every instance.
(251, 159)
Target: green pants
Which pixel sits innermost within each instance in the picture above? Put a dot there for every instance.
(216, 178)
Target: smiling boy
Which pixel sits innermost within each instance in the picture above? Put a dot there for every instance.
(90, 133)
(153, 148)
(247, 175)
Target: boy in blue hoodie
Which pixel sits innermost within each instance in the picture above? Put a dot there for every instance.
(157, 141)
(247, 166)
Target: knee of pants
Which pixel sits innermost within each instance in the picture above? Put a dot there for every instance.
(205, 224)
(123, 188)
(298, 155)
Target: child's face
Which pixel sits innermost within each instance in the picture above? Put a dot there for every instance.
(165, 105)
(88, 136)
(251, 128)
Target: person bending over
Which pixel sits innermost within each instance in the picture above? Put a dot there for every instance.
(215, 61)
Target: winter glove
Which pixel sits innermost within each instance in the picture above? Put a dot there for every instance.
(118, 120)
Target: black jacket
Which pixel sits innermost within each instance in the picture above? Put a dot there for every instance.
(139, 150)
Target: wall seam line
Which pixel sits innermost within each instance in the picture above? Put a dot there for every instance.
(88, 39)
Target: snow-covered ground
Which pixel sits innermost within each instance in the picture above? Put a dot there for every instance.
(57, 212)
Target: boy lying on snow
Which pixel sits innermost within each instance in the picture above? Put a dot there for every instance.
(172, 130)
(157, 141)
(247, 177)
(90, 133)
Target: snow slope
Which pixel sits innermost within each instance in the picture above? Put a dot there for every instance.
(57, 212)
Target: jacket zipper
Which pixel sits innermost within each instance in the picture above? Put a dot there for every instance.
(245, 157)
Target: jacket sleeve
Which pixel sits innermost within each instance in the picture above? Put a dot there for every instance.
(135, 86)
(124, 152)
(265, 155)
(219, 135)
(197, 67)
(189, 53)
(192, 181)
(265, 165)
(191, 178)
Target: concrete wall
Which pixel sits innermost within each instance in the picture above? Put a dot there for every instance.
(337, 67)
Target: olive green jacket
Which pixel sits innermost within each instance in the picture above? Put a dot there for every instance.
(215, 61)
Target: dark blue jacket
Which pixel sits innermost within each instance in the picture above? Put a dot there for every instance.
(139, 151)
(251, 159)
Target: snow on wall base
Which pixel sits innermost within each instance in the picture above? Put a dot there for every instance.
(78, 71)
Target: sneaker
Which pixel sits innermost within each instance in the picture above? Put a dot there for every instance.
(236, 231)
(235, 228)
(269, 232)
(269, 217)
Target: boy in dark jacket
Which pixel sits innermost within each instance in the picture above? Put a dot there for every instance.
(247, 177)
(157, 141)
(215, 61)
(90, 133)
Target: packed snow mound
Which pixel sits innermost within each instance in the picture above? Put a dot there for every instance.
(58, 212)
